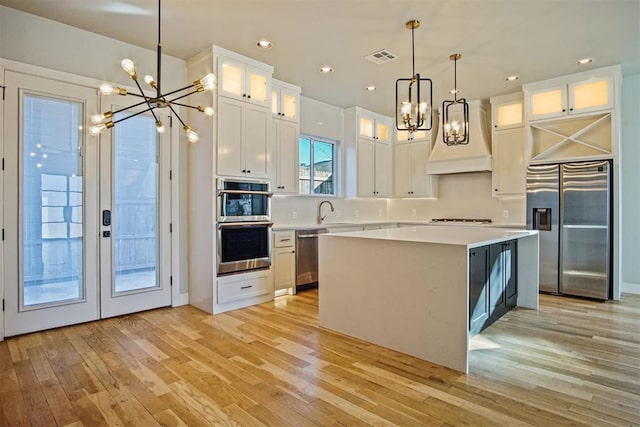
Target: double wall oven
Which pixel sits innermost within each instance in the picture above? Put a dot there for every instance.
(244, 225)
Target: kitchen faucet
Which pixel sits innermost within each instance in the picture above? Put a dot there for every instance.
(320, 217)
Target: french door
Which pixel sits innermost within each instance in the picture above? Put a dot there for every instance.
(64, 261)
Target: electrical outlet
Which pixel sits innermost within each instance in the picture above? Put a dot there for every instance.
(357, 213)
(294, 214)
(505, 213)
(414, 213)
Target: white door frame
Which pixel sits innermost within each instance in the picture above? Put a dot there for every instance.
(2, 139)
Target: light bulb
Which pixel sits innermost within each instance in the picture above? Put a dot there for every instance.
(208, 82)
(99, 118)
(32, 154)
(209, 111)
(150, 81)
(191, 135)
(455, 126)
(447, 129)
(405, 108)
(423, 107)
(159, 127)
(107, 89)
(128, 67)
(99, 128)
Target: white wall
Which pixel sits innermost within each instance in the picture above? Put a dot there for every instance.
(45, 43)
(630, 164)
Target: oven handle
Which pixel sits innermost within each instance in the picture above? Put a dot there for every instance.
(258, 193)
(243, 224)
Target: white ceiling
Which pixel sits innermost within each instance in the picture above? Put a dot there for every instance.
(536, 39)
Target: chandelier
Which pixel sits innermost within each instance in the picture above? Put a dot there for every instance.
(413, 112)
(455, 114)
(103, 121)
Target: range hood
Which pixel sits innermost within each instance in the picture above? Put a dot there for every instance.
(472, 157)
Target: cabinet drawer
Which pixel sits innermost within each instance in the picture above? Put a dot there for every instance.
(240, 287)
(283, 239)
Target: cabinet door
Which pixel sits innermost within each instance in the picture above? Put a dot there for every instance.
(403, 136)
(508, 115)
(256, 142)
(257, 86)
(366, 127)
(289, 105)
(478, 289)
(423, 185)
(496, 280)
(284, 268)
(383, 175)
(546, 103)
(510, 258)
(230, 135)
(366, 166)
(383, 127)
(591, 95)
(509, 166)
(231, 78)
(287, 157)
(402, 170)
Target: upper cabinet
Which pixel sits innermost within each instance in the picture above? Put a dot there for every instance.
(373, 126)
(582, 96)
(243, 78)
(508, 145)
(403, 137)
(368, 156)
(285, 101)
(574, 117)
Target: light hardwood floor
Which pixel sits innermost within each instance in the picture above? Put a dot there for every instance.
(574, 362)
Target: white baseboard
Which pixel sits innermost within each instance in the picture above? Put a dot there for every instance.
(181, 299)
(631, 288)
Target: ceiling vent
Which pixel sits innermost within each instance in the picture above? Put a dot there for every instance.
(381, 56)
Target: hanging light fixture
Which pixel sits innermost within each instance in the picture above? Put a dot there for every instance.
(102, 122)
(413, 112)
(455, 114)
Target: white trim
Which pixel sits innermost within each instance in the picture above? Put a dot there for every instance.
(2, 203)
(181, 299)
(630, 288)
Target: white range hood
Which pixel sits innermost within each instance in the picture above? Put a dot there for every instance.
(472, 157)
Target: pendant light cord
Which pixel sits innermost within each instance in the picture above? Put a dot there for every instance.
(413, 54)
(158, 90)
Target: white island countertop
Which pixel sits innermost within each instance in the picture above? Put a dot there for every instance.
(469, 236)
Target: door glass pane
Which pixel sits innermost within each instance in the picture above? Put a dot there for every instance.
(135, 204)
(52, 220)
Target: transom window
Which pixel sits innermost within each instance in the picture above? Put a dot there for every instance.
(317, 166)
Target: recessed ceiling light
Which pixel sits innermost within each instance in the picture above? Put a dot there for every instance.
(585, 61)
(512, 78)
(326, 69)
(264, 44)
(452, 91)
(370, 88)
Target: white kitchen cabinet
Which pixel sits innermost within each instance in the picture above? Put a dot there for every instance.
(242, 290)
(372, 126)
(285, 174)
(285, 110)
(574, 117)
(243, 139)
(368, 158)
(284, 260)
(508, 145)
(243, 78)
(285, 101)
(410, 177)
(587, 95)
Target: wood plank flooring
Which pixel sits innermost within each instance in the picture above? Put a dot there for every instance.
(573, 362)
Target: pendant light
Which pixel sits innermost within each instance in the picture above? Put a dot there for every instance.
(105, 121)
(413, 110)
(455, 114)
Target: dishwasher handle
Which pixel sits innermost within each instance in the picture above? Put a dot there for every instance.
(307, 236)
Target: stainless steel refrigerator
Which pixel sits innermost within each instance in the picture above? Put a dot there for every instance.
(570, 205)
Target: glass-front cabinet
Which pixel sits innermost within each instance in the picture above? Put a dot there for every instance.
(285, 101)
(237, 79)
(584, 96)
(373, 126)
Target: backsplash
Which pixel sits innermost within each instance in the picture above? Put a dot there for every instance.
(303, 210)
(465, 195)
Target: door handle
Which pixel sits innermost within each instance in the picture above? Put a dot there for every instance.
(106, 218)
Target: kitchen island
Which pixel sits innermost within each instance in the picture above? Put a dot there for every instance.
(408, 288)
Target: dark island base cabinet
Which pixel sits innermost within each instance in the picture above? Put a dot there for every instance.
(493, 285)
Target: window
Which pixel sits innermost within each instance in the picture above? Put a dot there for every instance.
(317, 166)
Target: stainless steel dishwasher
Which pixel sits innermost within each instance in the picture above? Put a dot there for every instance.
(307, 258)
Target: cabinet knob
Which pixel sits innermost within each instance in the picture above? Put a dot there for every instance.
(571, 109)
(495, 189)
(248, 96)
(564, 110)
(293, 252)
(495, 126)
(244, 171)
(248, 171)
(244, 95)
